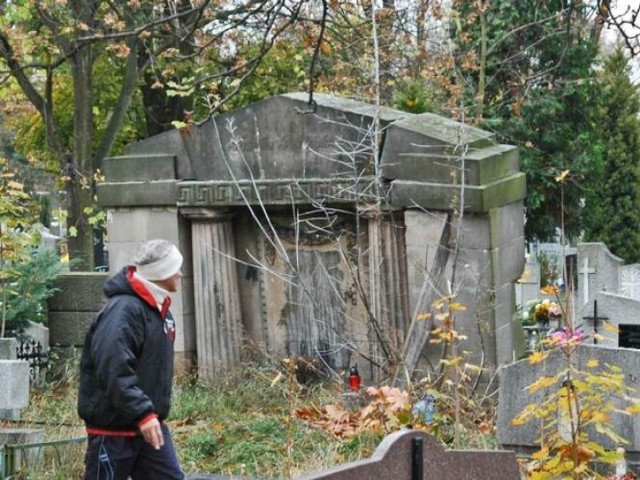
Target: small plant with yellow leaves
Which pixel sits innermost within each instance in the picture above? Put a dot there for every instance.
(579, 403)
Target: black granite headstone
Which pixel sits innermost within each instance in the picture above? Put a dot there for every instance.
(629, 336)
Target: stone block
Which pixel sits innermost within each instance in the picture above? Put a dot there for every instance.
(8, 348)
(507, 224)
(78, 292)
(155, 193)
(14, 384)
(435, 163)
(424, 133)
(508, 261)
(440, 196)
(131, 225)
(140, 168)
(508, 331)
(274, 146)
(170, 141)
(69, 328)
(617, 310)
(475, 232)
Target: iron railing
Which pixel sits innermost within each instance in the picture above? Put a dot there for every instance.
(30, 460)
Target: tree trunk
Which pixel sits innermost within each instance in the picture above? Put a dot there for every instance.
(80, 244)
(81, 186)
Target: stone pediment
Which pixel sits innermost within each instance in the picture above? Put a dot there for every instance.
(280, 151)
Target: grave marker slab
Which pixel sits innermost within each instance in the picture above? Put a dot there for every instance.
(415, 455)
(8, 348)
(513, 397)
(14, 388)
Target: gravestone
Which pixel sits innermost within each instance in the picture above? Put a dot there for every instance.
(528, 285)
(513, 397)
(630, 281)
(8, 348)
(14, 388)
(415, 455)
(608, 287)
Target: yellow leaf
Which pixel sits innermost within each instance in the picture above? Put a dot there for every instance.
(633, 409)
(610, 327)
(541, 454)
(592, 363)
(560, 178)
(542, 382)
(276, 379)
(600, 416)
(537, 357)
(423, 316)
(470, 366)
(525, 415)
(457, 306)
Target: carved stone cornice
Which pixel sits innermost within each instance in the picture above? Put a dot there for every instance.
(270, 192)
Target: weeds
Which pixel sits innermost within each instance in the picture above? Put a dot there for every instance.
(244, 425)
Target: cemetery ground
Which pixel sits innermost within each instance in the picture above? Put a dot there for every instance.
(259, 422)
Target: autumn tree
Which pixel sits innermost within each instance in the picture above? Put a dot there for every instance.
(154, 49)
(527, 72)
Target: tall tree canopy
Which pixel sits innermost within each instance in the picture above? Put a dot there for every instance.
(530, 81)
(154, 48)
(613, 200)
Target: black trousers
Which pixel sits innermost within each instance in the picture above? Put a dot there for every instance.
(118, 458)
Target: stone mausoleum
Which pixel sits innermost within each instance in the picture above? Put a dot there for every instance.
(326, 232)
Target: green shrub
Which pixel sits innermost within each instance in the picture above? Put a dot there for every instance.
(32, 285)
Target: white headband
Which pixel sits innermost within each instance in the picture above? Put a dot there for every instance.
(163, 268)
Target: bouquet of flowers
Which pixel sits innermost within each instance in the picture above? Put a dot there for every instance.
(544, 311)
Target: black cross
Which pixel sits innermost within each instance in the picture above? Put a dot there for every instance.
(595, 320)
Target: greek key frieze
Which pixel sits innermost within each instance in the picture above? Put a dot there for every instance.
(266, 192)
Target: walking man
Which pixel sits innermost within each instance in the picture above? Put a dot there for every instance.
(126, 371)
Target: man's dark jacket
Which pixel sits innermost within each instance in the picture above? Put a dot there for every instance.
(126, 369)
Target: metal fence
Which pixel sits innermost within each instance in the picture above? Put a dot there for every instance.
(38, 359)
(51, 460)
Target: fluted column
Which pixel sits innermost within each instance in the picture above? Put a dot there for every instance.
(387, 287)
(217, 300)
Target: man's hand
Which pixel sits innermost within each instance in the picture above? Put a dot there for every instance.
(152, 433)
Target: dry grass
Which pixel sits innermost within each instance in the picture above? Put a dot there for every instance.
(243, 425)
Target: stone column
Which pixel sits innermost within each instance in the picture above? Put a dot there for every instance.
(387, 286)
(217, 299)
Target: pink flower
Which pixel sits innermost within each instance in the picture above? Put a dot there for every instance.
(563, 337)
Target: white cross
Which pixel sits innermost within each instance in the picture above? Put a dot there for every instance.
(585, 281)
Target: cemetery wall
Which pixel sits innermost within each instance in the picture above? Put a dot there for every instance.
(71, 309)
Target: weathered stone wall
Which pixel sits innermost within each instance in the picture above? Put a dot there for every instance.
(73, 307)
